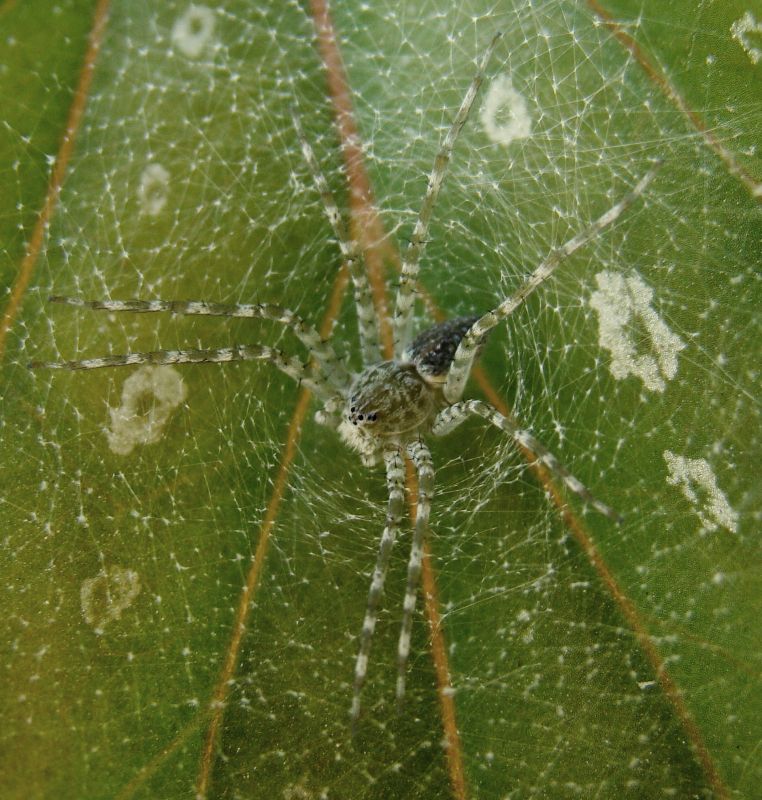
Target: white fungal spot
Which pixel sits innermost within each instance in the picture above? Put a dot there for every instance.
(742, 29)
(149, 396)
(504, 113)
(154, 188)
(193, 31)
(698, 483)
(296, 791)
(619, 302)
(104, 597)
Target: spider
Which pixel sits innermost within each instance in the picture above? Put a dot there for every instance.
(383, 411)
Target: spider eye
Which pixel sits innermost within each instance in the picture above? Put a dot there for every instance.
(360, 417)
(353, 409)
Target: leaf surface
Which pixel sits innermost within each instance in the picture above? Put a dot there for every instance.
(187, 553)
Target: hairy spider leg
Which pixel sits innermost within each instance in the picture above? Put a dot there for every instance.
(403, 312)
(395, 481)
(367, 320)
(320, 350)
(449, 418)
(324, 355)
(463, 361)
(291, 366)
(421, 457)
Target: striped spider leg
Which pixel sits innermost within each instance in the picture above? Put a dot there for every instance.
(384, 410)
(469, 345)
(325, 375)
(403, 310)
(467, 350)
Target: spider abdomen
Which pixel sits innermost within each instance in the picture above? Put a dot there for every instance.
(433, 350)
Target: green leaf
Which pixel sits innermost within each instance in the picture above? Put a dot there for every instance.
(186, 554)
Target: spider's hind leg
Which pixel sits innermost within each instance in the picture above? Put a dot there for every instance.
(368, 324)
(403, 312)
(468, 348)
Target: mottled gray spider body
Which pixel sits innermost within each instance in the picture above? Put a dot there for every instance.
(388, 402)
(386, 409)
(396, 401)
(433, 351)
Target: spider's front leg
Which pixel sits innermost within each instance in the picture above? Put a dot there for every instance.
(449, 418)
(421, 457)
(395, 481)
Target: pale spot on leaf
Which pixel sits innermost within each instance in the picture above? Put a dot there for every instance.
(698, 483)
(504, 115)
(193, 31)
(745, 30)
(104, 597)
(149, 396)
(154, 186)
(620, 302)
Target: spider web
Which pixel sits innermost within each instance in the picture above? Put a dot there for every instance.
(151, 515)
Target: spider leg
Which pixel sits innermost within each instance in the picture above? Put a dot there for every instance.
(449, 418)
(463, 361)
(421, 457)
(291, 366)
(403, 312)
(395, 481)
(350, 251)
(321, 350)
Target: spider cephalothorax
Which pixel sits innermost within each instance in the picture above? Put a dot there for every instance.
(389, 406)
(394, 401)
(388, 402)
